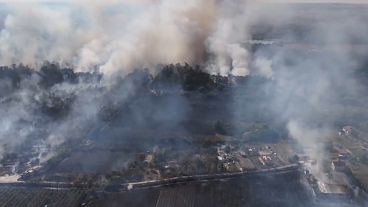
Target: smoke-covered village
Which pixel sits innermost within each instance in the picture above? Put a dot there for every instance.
(183, 103)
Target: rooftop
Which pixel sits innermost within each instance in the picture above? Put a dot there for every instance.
(332, 188)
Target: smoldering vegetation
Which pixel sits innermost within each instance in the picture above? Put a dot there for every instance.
(256, 73)
(307, 74)
(57, 107)
(180, 106)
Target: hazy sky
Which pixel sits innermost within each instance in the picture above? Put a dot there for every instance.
(271, 1)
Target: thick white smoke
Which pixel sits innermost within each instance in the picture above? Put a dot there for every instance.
(117, 36)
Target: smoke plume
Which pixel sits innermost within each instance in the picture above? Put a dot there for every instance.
(114, 36)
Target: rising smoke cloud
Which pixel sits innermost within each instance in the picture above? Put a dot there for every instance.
(117, 36)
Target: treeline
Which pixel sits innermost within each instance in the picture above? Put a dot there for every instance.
(48, 75)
